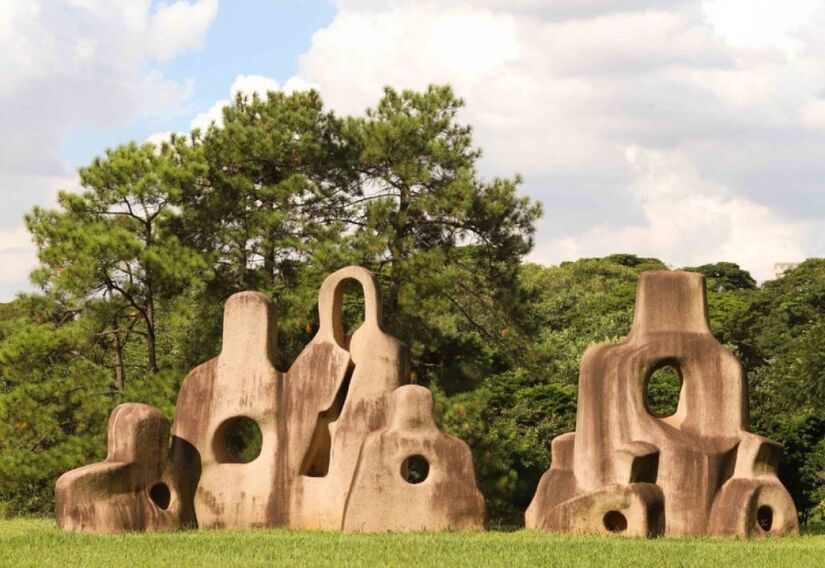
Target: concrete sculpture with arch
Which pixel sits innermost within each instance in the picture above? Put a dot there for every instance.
(327, 426)
(697, 472)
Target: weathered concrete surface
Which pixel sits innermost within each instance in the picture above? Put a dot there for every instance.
(713, 477)
(135, 488)
(241, 382)
(315, 420)
(383, 499)
(380, 365)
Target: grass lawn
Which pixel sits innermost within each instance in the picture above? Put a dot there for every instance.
(37, 542)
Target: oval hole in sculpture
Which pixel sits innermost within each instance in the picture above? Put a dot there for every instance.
(238, 440)
(160, 495)
(764, 517)
(352, 309)
(415, 469)
(662, 390)
(615, 522)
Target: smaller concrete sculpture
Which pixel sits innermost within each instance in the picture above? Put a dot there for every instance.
(134, 489)
(411, 476)
(629, 470)
(342, 443)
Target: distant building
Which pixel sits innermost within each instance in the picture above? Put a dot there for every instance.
(780, 268)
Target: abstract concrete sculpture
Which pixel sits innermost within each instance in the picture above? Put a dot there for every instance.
(695, 472)
(343, 444)
(380, 365)
(411, 476)
(135, 488)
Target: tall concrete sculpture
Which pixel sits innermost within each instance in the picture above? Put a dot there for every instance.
(380, 365)
(696, 472)
(327, 426)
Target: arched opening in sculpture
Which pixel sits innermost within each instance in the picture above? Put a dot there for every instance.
(349, 308)
(663, 387)
(352, 306)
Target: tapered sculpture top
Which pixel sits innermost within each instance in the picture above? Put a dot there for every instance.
(673, 302)
(628, 469)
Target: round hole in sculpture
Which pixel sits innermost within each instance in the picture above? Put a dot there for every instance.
(764, 517)
(615, 522)
(415, 469)
(160, 495)
(662, 390)
(238, 440)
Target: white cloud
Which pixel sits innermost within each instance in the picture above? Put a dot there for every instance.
(723, 94)
(760, 23)
(359, 53)
(17, 255)
(159, 138)
(555, 9)
(696, 221)
(17, 252)
(813, 114)
(253, 84)
(179, 26)
(248, 85)
(80, 63)
(214, 115)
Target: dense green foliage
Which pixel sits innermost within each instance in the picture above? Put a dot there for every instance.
(134, 272)
(39, 543)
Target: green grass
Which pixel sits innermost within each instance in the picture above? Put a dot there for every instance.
(37, 542)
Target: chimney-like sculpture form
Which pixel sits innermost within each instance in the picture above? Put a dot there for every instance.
(343, 444)
(696, 472)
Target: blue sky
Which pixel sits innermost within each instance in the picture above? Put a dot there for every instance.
(689, 130)
(249, 37)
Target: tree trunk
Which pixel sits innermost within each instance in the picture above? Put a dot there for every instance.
(395, 287)
(151, 341)
(120, 374)
(397, 255)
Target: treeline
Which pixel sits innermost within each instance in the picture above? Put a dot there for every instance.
(134, 271)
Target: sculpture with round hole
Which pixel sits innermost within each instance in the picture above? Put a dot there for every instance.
(415, 469)
(136, 488)
(660, 451)
(253, 446)
(238, 440)
(411, 476)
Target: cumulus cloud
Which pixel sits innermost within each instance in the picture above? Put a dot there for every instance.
(695, 220)
(557, 9)
(16, 256)
(760, 23)
(179, 26)
(725, 96)
(248, 85)
(80, 63)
